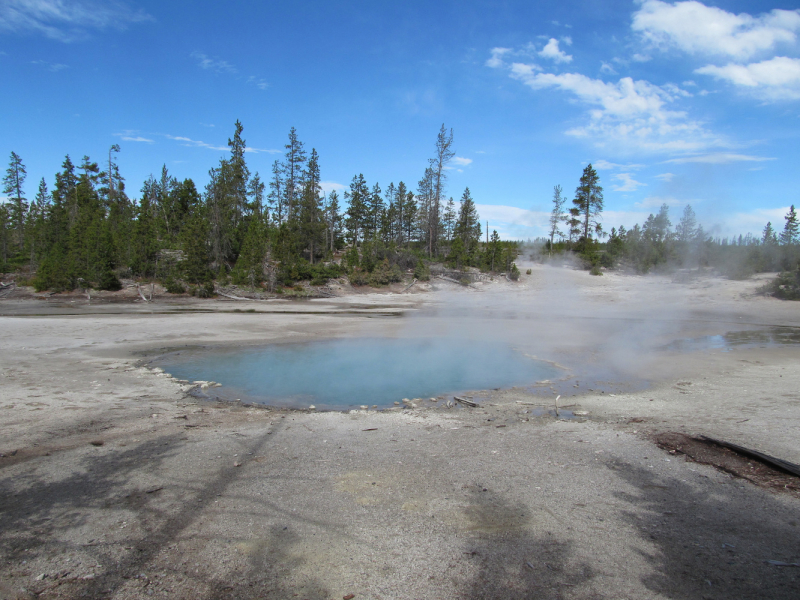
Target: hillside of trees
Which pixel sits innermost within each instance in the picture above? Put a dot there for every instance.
(240, 229)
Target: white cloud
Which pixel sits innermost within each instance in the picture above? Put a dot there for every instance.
(607, 68)
(512, 222)
(666, 177)
(720, 158)
(628, 183)
(676, 91)
(605, 165)
(261, 84)
(496, 60)
(774, 79)
(329, 186)
(553, 52)
(631, 115)
(641, 57)
(262, 150)
(138, 138)
(54, 67)
(461, 161)
(753, 221)
(658, 201)
(67, 21)
(698, 29)
(194, 143)
(213, 64)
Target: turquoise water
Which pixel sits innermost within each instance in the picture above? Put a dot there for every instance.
(343, 374)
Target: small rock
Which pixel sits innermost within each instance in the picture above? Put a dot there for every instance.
(237, 464)
(41, 577)
(364, 407)
(97, 442)
(312, 407)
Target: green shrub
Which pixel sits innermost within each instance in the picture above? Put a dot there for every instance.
(384, 274)
(204, 290)
(358, 277)
(174, 287)
(785, 286)
(514, 274)
(595, 270)
(108, 281)
(422, 271)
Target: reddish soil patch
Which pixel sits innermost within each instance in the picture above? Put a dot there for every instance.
(725, 459)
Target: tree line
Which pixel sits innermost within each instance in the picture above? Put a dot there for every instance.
(657, 245)
(240, 228)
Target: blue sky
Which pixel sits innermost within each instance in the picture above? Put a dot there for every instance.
(676, 102)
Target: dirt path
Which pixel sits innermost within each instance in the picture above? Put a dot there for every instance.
(116, 484)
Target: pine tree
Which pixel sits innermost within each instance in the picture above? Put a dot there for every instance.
(468, 225)
(769, 237)
(311, 224)
(357, 209)
(332, 221)
(687, 226)
(12, 187)
(256, 192)
(375, 208)
(791, 230)
(556, 215)
(249, 268)
(292, 172)
(449, 219)
(239, 176)
(587, 205)
(438, 166)
(195, 244)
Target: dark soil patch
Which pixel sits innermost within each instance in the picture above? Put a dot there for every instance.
(729, 461)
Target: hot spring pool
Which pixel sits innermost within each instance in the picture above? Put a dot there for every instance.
(344, 374)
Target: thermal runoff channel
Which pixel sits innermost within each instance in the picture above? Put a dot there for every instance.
(342, 374)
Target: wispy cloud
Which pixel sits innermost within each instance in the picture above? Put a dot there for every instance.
(774, 79)
(185, 141)
(260, 83)
(627, 183)
(216, 65)
(54, 67)
(628, 115)
(262, 150)
(330, 186)
(190, 143)
(605, 165)
(659, 201)
(698, 29)
(67, 21)
(708, 31)
(666, 177)
(137, 138)
(719, 158)
(461, 161)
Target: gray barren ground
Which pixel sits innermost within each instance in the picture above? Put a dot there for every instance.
(114, 483)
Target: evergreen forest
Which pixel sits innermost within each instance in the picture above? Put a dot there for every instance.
(273, 233)
(268, 233)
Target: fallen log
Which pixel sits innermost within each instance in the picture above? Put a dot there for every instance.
(760, 456)
(231, 296)
(139, 289)
(465, 402)
(408, 287)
